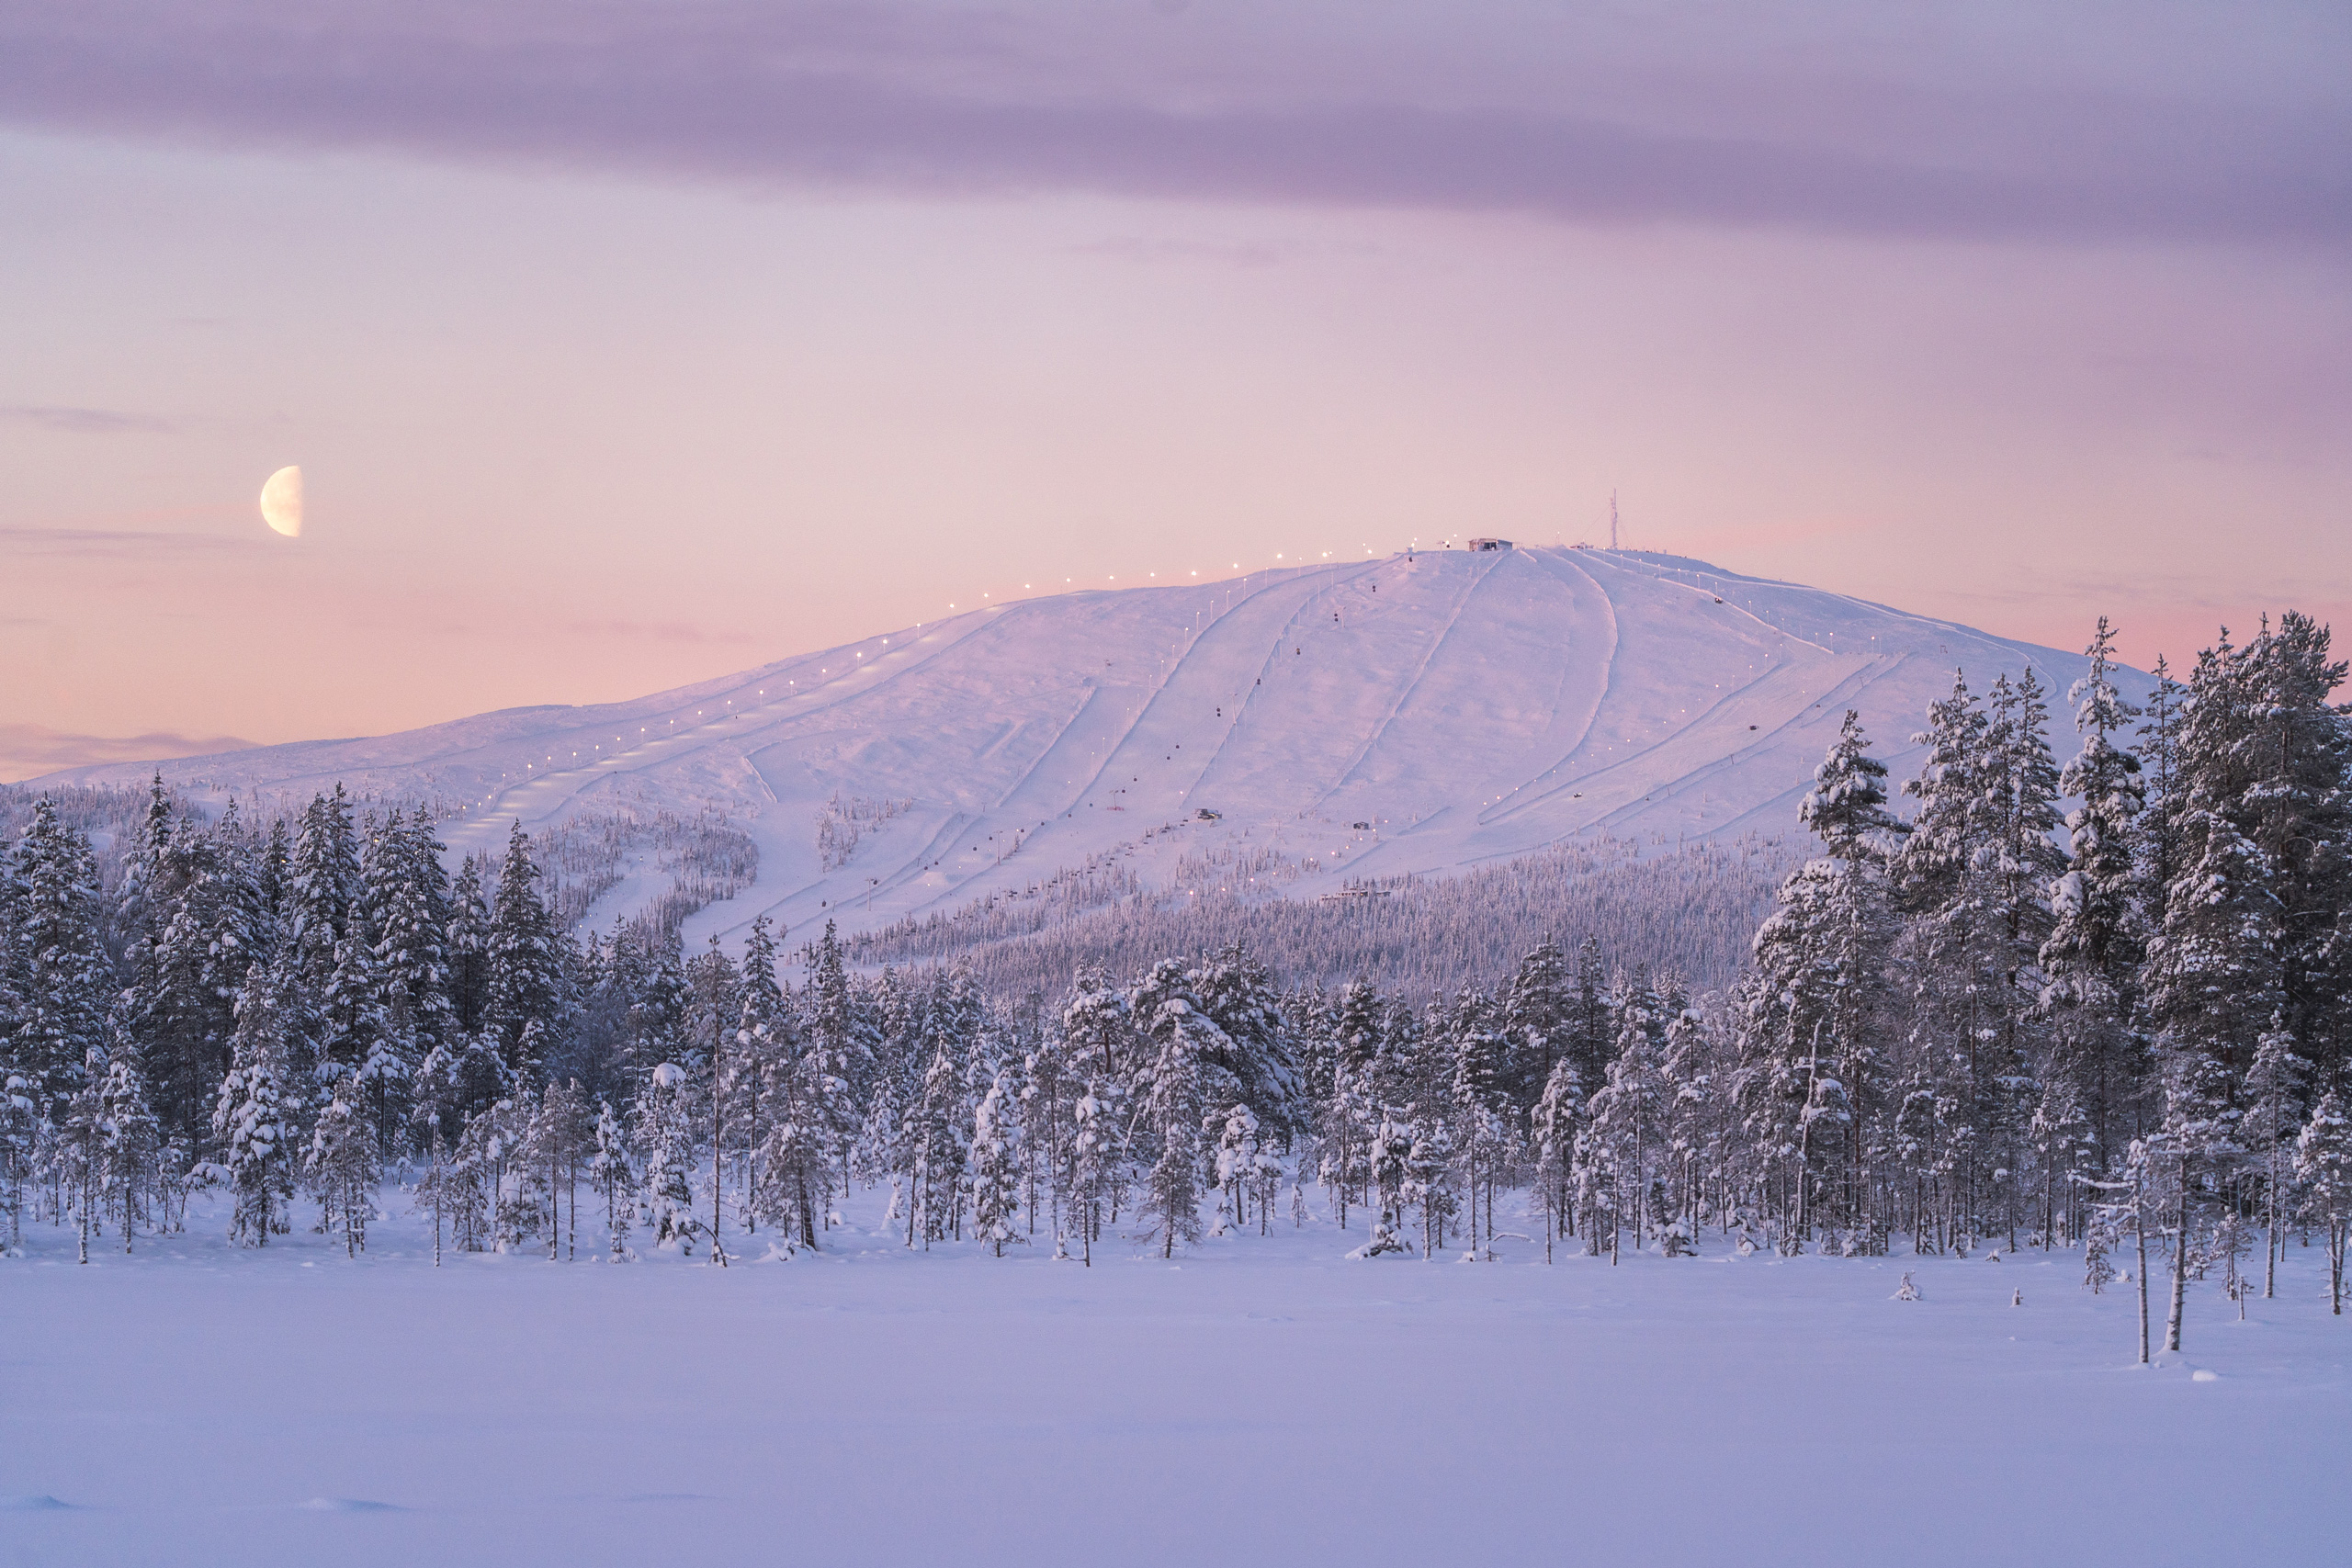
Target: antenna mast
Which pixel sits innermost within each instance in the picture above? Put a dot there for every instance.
(1612, 519)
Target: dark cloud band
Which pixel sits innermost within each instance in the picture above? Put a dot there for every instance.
(981, 104)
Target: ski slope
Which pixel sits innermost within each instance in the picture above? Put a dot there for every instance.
(1415, 714)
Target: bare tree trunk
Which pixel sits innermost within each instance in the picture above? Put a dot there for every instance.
(2270, 1245)
(2179, 1265)
(718, 1150)
(2139, 1233)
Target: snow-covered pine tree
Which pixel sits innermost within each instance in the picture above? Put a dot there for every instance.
(1693, 1128)
(78, 1156)
(1098, 1039)
(614, 1175)
(1478, 1102)
(1237, 1161)
(1389, 1158)
(2297, 758)
(1428, 1182)
(761, 1056)
(1238, 996)
(523, 982)
(1049, 1089)
(190, 912)
(2274, 1091)
(1954, 956)
(1591, 1032)
(405, 912)
(1536, 1011)
(659, 1024)
(1358, 1027)
(881, 1154)
(1626, 1117)
(996, 1167)
(2066, 1149)
(2156, 848)
(935, 1148)
(666, 1154)
(1809, 1055)
(559, 1138)
(1557, 1123)
(248, 1118)
(1095, 1149)
(467, 948)
(324, 886)
(2213, 975)
(130, 1142)
(2324, 1172)
(65, 979)
(1180, 1080)
(714, 1013)
(343, 1166)
(2090, 960)
(2027, 861)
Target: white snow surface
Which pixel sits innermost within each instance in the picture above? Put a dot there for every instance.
(1261, 1401)
(1464, 707)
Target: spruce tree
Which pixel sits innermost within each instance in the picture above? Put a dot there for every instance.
(2324, 1172)
(325, 885)
(248, 1121)
(2297, 761)
(614, 1175)
(935, 1148)
(996, 1168)
(342, 1165)
(61, 1018)
(1808, 1084)
(522, 989)
(1536, 1011)
(406, 916)
(130, 1142)
(1180, 1080)
(666, 1154)
(2090, 960)
(1558, 1125)
(467, 948)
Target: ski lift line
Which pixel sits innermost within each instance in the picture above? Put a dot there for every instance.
(1413, 683)
(1266, 667)
(1843, 694)
(1728, 702)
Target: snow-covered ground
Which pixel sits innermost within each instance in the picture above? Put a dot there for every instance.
(1259, 1401)
(1373, 717)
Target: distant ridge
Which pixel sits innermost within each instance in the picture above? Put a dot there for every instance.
(1413, 713)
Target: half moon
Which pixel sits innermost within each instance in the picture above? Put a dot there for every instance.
(281, 501)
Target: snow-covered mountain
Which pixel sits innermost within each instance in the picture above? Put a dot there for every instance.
(1412, 713)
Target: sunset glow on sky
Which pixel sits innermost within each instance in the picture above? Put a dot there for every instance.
(620, 348)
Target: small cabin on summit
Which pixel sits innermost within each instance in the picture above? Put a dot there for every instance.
(1477, 544)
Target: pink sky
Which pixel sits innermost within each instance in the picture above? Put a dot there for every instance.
(618, 358)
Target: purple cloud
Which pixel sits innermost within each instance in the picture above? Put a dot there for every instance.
(85, 421)
(117, 542)
(2171, 129)
(30, 750)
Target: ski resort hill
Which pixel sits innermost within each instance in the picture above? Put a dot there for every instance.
(1302, 733)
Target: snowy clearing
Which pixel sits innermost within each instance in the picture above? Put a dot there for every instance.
(1263, 1400)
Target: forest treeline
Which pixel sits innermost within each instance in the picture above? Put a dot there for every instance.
(1969, 1023)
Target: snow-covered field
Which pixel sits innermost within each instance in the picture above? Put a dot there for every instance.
(1261, 1400)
